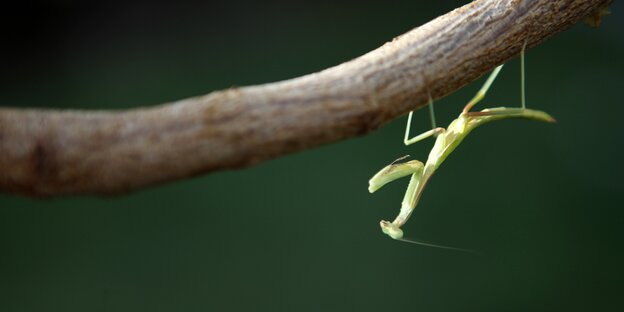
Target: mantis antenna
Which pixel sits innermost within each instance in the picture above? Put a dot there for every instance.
(446, 142)
(396, 233)
(439, 246)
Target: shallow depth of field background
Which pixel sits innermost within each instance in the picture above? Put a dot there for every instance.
(542, 202)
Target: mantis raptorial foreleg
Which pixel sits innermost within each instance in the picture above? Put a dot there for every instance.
(394, 171)
(446, 141)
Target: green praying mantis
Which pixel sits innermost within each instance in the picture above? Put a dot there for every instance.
(446, 142)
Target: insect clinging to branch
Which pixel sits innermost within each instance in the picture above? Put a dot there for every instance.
(446, 141)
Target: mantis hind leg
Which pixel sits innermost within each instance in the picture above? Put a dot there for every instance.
(481, 93)
(486, 86)
(522, 93)
(433, 132)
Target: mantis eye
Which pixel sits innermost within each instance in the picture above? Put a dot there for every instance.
(391, 229)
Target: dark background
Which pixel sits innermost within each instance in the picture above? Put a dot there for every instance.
(542, 202)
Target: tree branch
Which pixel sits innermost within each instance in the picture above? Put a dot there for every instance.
(51, 152)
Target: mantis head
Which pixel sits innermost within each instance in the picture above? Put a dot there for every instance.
(391, 229)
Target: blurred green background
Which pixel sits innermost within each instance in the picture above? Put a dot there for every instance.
(542, 202)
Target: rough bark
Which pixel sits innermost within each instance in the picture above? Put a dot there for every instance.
(63, 152)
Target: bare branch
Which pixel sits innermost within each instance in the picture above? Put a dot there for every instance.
(50, 153)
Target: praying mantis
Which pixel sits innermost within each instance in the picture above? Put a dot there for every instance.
(446, 142)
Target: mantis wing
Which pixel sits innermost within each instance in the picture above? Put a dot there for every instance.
(498, 113)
